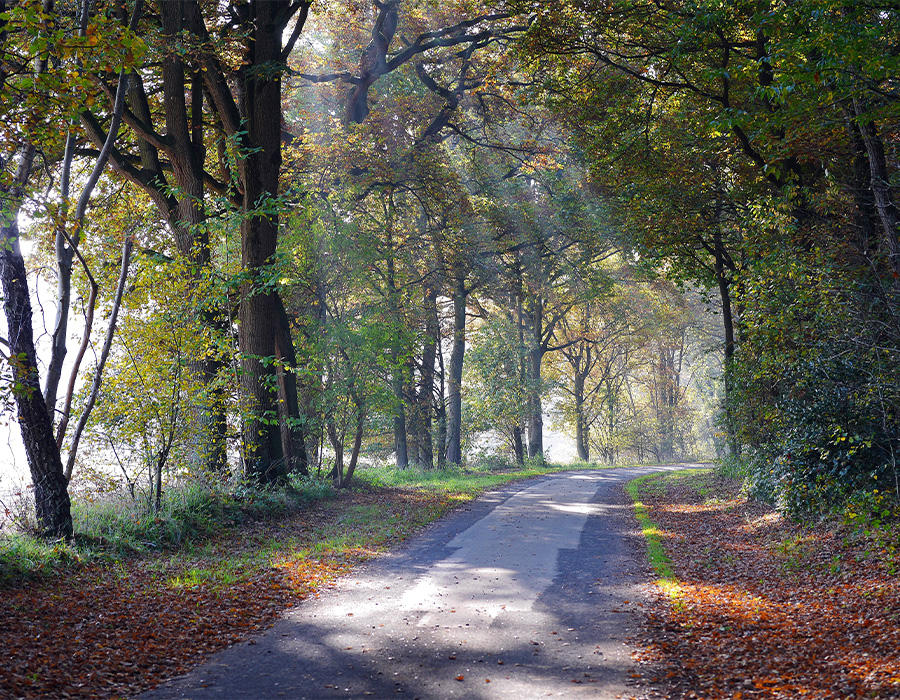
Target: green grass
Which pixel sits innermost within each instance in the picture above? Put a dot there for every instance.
(656, 553)
(113, 526)
(23, 556)
(466, 481)
(180, 537)
(189, 512)
(657, 484)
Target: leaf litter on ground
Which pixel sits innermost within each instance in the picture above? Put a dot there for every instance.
(765, 607)
(114, 630)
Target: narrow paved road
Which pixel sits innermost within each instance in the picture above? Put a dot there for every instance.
(521, 595)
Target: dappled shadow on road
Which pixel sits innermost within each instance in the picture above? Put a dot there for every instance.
(510, 607)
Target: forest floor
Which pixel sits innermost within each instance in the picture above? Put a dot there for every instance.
(760, 607)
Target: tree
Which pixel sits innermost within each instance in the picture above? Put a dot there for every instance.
(776, 116)
(50, 494)
(496, 394)
(223, 85)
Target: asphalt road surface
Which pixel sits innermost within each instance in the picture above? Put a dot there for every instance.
(524, 594)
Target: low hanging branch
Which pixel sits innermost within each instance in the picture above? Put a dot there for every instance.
(104, 354)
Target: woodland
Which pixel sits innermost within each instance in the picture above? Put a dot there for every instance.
(283, 240)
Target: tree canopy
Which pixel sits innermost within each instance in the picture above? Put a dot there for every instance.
(314, 237)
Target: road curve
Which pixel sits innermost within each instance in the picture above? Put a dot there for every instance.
(520, 595)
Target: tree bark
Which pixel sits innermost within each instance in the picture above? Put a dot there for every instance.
(51, 497)
(398, 366)
(454, 383)
(187, 156)
(581, 437)
(400, 451)
(65, 257)
(440, 409)
(518, 446)
(260, 166)
(293, 430)
(881, 189)
(865, 215)
(357, 438)
(535, 358)
(728, 326)
(425, 393)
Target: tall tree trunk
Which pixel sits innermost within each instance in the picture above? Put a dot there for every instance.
(454, 383)
(291, 422)
(425, 393)
(581, 438)
(520, 431)
(400, 451)
(187, 216)
(518, 446)
(865, 215)
(535, 358)
(887, 210)
(51, 497)
(414, 417)
(261, 107)
(440, 410)
(728, 326)
(65, 257)
(357, 438)
(398, 366)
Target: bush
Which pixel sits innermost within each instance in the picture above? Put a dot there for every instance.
(112, 524)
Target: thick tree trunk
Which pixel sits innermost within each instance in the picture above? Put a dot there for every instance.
(398, 366)
(51, 497)
(425, 393)
(414, 418)
(291, 422)
(400, 451)
(866, 216)
(187, 216)
(454, 383)
(518, 446)
(261, 103)
(887, 210)
(728, 326)
(440, 413)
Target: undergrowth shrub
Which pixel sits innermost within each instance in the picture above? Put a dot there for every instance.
(732, 466)
(826, 438)
(111, 524)
(24, 556)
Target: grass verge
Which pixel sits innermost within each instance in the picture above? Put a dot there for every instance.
(112, 528)
(656, 553)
